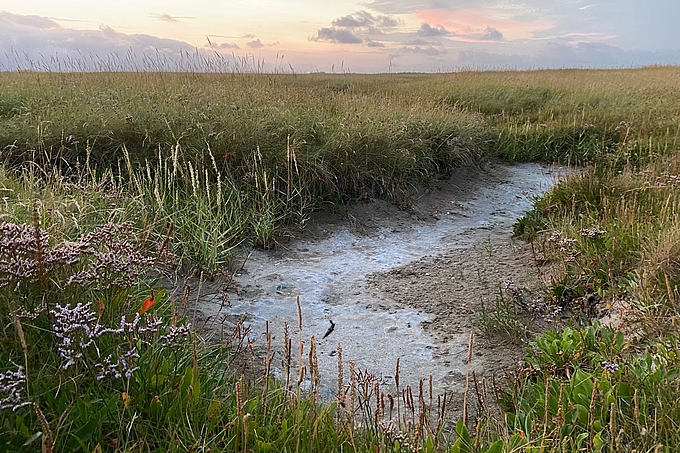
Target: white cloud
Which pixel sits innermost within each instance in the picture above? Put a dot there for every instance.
(165, 17)
(366, 20)
(357, 28)
(426, 30)
(228, 45)
(425, 50)
(336, 35)
(40, 43)
(492, 34)
(37, 22)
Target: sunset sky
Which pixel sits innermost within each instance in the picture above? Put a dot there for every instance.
(343, 35)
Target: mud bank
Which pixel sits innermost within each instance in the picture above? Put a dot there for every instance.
(395, 283)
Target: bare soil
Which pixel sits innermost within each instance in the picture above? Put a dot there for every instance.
(471, 270)
(394, 282)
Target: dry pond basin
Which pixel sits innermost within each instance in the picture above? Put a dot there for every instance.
(394, 283)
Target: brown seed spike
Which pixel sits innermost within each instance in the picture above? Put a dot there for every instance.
(299, 309)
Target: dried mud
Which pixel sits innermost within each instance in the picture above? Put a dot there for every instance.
(404, 284)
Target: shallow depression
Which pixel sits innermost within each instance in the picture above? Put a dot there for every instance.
(329, 274)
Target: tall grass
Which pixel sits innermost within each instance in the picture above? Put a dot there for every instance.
(289, 143)
(615, 233)
(105, 175)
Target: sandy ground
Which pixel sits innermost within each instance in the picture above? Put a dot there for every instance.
(471, 270)
(396, 283)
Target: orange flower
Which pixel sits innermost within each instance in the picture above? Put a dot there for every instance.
(148, 303)
(126, 399)
(100, 307)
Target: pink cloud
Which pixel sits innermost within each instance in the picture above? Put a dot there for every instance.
(471, 21)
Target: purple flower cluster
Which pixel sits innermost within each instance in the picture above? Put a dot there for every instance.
(32, 315)
(512, 288)
(593, 232)
(78, 332)
(115, 262)
(564, 245)
(609, 367)
(11, 383)
(72, 326)
(103, 258)
(123, 367)
(176, 333)
(19, 247)
(509, 286)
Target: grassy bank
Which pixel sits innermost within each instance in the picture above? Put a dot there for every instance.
(107, 175)
(291, 143)
(341, 121)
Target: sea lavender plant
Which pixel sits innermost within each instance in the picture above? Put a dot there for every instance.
(123, 367)
(609, 367)
(176, 333)
(79, 334)
(11, 384)
(103, 258)
(19, 246)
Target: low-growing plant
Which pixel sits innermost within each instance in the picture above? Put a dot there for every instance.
(508, 316)
(613, 233)
(587, 389)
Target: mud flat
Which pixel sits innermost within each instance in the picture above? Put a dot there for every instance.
(396, 283)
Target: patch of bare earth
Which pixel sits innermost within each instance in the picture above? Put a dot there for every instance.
(472, 269)
(453, 286)
(397, 283)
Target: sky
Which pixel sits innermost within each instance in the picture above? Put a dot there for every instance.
(337, 35)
